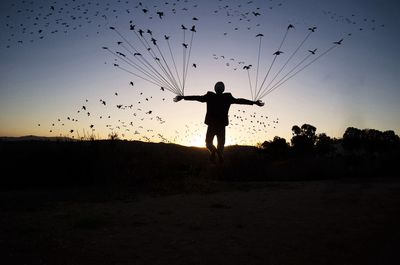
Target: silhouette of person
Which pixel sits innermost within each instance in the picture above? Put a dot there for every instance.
(218, 105)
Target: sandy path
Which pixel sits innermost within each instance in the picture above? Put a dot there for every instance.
(324, 222)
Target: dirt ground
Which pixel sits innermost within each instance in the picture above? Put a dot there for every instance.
(315, 222)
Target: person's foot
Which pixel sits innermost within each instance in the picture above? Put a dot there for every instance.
(212, 157)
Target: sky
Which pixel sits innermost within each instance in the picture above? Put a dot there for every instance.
(56, 79)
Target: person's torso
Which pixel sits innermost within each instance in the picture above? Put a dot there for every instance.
(217, 108)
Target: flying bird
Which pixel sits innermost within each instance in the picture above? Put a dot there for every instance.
(338, 42)
(312, 51)
(312, 29)
(160, 14)
(277, 53)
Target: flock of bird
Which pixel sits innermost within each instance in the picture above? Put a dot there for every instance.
(246, 15)
(125, 121)
(29, 21)
(109, 118)
(355, 21)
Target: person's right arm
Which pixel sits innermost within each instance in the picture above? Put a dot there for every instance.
(192, 98)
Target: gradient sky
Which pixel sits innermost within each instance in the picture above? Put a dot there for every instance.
(43, 80)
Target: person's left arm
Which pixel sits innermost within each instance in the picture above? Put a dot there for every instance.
(243, 101)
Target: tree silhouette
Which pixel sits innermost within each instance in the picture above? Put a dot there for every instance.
(352, 139)
(278, 148)
(324, 144)
(369, 140)
(303, 139)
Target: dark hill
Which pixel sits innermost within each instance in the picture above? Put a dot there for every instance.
(132, 163)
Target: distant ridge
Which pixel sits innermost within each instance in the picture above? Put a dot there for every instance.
(34, 138)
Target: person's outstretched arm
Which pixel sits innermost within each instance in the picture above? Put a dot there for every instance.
(243, 101)
(193, 98)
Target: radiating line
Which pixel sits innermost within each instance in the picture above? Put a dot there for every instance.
(273, 61)
(301, 69)
(289, 59)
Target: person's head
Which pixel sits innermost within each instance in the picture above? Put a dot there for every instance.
(219, 87)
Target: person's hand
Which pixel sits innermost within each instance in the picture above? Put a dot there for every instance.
(178, 98)
(259, 103)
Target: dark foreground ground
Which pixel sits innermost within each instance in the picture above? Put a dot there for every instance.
(314, 222)
(137, 203)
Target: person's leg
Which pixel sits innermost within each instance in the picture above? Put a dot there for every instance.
(221, 143)
(209, 142)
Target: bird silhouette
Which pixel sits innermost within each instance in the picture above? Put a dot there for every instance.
(312, 51)
(160, 14)
(277, 53)
(312, 29)
(338, 42)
